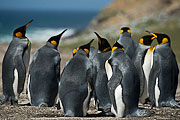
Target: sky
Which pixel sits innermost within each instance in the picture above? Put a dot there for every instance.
(54, 4)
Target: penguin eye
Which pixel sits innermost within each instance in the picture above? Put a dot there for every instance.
(141, 41)
(19, 35)
(114, 48)
(86, 50)
(54, 42)
(121, 31)
(164, 40)
(129, 31)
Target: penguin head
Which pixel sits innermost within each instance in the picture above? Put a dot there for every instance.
(147, 40)
(103, 44)
(21, 31)
(55, 39)
(161, 37)
(125, 30)
(116, 46)
(85, 48)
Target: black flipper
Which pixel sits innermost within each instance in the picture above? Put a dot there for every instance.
(20, 66)
(142, 75)
(155, 71)
(113, 83)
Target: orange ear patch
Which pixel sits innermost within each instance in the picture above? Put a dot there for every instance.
(18, 34)
(74, 51)
(121, 31)
(129, 31)
(54, 42)
(86, 50)
(165, 40)
(141, 41)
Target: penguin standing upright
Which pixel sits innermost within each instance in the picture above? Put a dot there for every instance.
(14, 65)
(126, 41)
(44, 74)
(124, 84)
(143, 62)
(75, 87)
(163, 78)
(102, 98)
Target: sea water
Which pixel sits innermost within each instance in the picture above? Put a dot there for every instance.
(45, 24)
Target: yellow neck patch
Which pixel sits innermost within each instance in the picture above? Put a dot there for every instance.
(141, 41)
(114, 48)
(29, 42)
(106, 49)
(86, 50)
(151, 49)
(153, 38)
(165, 40)
(18, 34)
(121, 31)
(54, 43)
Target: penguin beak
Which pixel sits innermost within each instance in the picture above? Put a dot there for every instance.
(99, 38)
(154, 34)
(28, 23)
(62, 33)
(91, 42)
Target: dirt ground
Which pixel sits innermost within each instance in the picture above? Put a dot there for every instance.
(23, 111)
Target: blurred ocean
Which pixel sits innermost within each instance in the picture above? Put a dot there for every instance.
(45, 24)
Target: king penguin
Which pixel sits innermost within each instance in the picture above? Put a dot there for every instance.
(143, 62)
(126, 41)
(163, 79)
(102, 98)
(124, 84)
(15, 65)
(44, 74)
(75, 87)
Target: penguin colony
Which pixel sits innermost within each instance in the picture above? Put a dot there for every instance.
(118, 77)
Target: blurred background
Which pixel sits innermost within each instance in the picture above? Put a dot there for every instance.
(83, 17)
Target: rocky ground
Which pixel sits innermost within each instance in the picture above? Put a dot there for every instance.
(28, 112)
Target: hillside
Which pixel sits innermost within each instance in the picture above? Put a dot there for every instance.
(139, 15)
(126, 12)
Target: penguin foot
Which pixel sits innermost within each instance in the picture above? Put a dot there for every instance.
(105, 109)
(14, 102)
(147, 101)
(43, 105)
(172, 103)
(58, 106)
(110, 114)
(69, 114)
(140, 113)
(3, 99)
